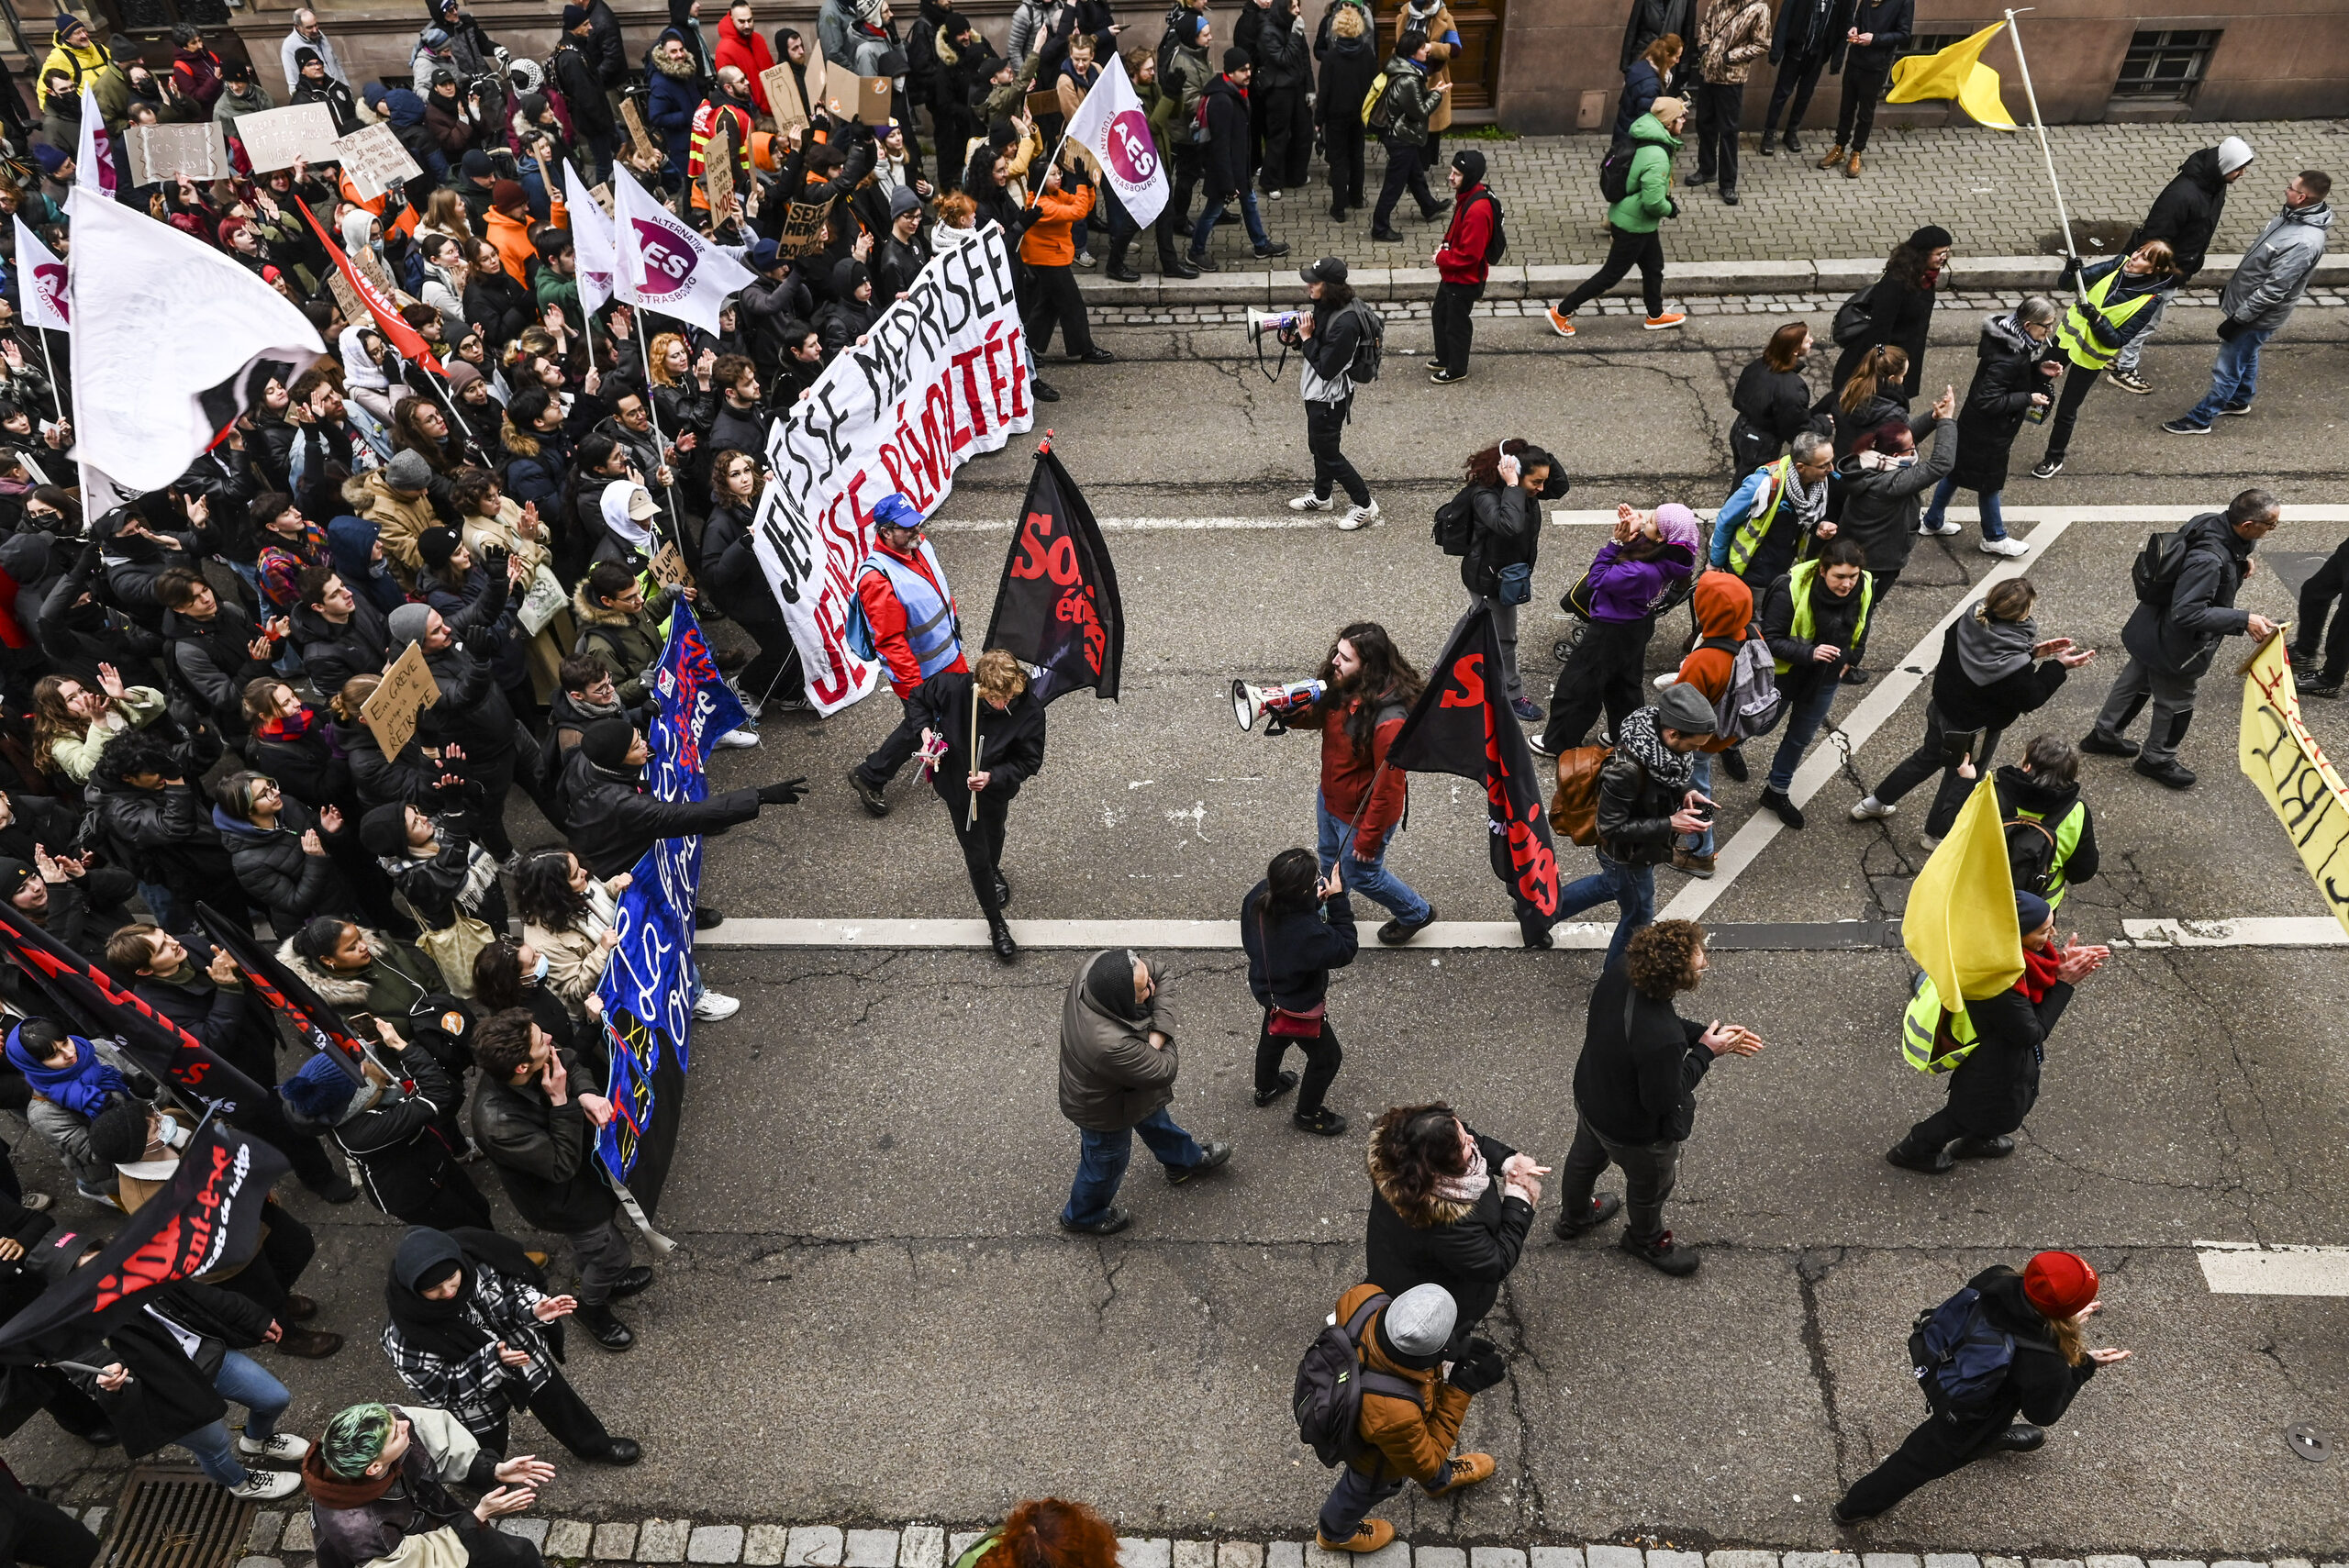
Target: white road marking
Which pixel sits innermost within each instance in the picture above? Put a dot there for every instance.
(2255, 931)
(2246, 1268)
(2153, 517)
(1218, 934)
(1890, 689)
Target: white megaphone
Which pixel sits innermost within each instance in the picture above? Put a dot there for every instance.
(1275, 322)
(1251, 703)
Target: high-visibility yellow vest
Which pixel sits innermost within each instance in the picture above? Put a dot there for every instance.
(1803, 578)
(1758, 517)
(1923, 1042)
(2089, 332)
(2066, 834)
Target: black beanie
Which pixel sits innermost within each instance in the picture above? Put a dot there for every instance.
(606, 741)
(384, 830)
(118, 1133)
(1236, 59)
(437, 545)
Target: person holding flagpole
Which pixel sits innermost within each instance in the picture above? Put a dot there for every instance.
(983, 737)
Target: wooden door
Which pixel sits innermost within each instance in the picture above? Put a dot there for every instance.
(1476, 71)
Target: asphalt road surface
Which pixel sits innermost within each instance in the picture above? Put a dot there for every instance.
(874, 1318)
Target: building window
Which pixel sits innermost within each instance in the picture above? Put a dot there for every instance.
(2165, 65)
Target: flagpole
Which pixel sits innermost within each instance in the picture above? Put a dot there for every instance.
(971, 814)
(57, 387)
(441, 390)
(2045, 151)
(641, 333)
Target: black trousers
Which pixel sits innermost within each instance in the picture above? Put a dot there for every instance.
(1603, 672)
(1863, 86)
(1321, 1057)
(313, 1166)
(2318, 597)
(496, 776)
(1934, 754)
(563, 1413)
(487, 1548)
(1798, 79)
(1719, 106)
(1624, 251)
(286, 1249)
(981, 841)
(1935, 1449)
(1190, 168)
(1289, 140)
(1325, 426)
(1454, 319)
(1407, 170)
(1342, 140)
(457, 1204)
(2079, 382)
(41, 1534)
(890, 755)
(1053, 299)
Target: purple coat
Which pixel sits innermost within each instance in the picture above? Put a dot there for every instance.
(1625, 590)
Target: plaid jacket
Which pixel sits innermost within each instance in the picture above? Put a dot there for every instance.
(474, 1389)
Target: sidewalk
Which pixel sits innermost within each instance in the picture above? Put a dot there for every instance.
(1990, 189)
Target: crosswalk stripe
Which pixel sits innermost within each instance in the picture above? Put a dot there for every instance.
(2247, 1268)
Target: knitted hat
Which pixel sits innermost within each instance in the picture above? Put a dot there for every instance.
(763, 254)
(1683, 707)
(118, 1133)
(508, 193)
(372, 95)
(902, 201)
(1667, 110)
(2031, 911)
(606, 741)
(1188, 25)
(50, 159)
(477, 164)
(573, 16)
(407, 471)
(2061, 1284)
(306, 56)
(462, 374)
(1930, 238)
(383, 830)
(1236, 59)
(407, 624)
(354, 1439)
(2233, 153)
(319, 1090)
(1419, 1321)
(1471, 164)
(14, 874)
(437, 546)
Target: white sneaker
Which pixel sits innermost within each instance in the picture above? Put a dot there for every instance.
(1360, 516)
(739, 738)
(1871, 809)
(2008, 546)
(1945, 530)
(1314, 503)
(751, 705)
(282, 1446)
(713, 1005)
(267, 1486)
(1929, 840)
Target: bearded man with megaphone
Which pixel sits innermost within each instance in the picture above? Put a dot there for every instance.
(1367, 690)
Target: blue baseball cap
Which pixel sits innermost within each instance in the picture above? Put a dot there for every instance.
(894, 511)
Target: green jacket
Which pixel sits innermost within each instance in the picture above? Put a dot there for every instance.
(1647, 197)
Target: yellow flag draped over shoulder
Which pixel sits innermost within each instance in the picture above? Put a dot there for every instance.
(1956, 73)
(2292, 775)
(1960, 923)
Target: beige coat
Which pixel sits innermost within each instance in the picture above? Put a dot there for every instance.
(400, 521)
(576, 956)
(1438, 63)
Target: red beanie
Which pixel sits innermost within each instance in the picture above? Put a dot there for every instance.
(2061, 1284)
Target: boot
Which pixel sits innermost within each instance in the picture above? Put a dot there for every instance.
(1910, 1155)
(1769, 147)
(999, 939)
(1982, 1147)
(1851, 169)
(1118, 272)
(1789, 143)
(1603, 1208)
(1835, 156)
(2021, 1437)
(308, 1344)
(603, 1327)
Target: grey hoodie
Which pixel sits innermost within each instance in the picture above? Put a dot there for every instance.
(2274, 271)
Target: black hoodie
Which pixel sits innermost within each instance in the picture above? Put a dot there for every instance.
(2187, 211)
(2020, 791)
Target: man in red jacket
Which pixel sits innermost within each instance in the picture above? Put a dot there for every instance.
(740, 46)
(1368, 690)
(902, 593)
(1475, 219)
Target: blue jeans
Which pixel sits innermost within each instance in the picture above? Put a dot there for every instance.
(1370, 878)
(1632, 889)
(2234, 378)
(1994, 522)
(1808, 712)
(1700, 779)
(240, 1381)
(1205, 230)
(1101, 1166)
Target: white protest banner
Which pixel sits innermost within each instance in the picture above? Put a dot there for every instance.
(1110, 125)
(374, 160)
(592, 240)
(942, 376)
(275, 137)
(160, 153)
(94, 154)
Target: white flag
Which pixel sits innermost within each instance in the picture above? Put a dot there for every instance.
(44, 275)
(172, 341)
(663, 264)
(592, 241)
(93, 158)
(1111, 123)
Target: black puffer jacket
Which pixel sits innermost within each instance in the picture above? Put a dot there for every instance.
(1290, 955)
(614, 822)
(1508, 533)
(332, 654)
(1229, 164)
(277, 873)
(2006, 374)
(1994, 1088)
(2040, 1384)
(1468, 1248)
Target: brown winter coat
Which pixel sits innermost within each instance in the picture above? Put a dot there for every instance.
(1111, 1076)
(399, 520)
(1439, 61)
(1407, 1440)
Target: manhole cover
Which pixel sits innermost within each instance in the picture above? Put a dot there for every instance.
(2310, 1444)
(171, 1517)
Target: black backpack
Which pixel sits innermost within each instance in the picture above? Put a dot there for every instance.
(1497, 246)
(1330, 1382)
(2156, 571)
(1455, 523)
(1615, 170)
(1960, 1358)
(1371, 347)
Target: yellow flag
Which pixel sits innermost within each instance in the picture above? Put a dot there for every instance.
(1957, 72)
(1960, 923)
(2292, 775)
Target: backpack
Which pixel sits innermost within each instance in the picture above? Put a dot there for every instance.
(1856, 319)
(1455, 524)
(1201, 133)
(1615, 170)
(1330, 1382)
(1497, 246)
(2156, 571)
(1573, 810)
(1961, 1358)
(1371, 346)
(1753, 704)
(2031, 851)
(1374, 113)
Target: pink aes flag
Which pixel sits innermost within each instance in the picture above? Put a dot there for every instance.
(664, 266)
(1110, 122)
(46, 302)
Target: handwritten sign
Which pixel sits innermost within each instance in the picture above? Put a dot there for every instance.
(346, 298)
(273, 139)
(160, 153)
(374, 160)
(638, 135)
(1044, 104)
(2292, 774)
(669, 567)
(717, 171)
(782, 90)
(407, 690)
(803, 228)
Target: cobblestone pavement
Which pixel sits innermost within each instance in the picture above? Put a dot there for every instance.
(1818, 307)
(1988, 189)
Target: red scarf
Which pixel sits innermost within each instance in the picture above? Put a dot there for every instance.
(2039, 969)
(290, 727)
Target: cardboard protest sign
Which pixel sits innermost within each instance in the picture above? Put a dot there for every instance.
(160, 153)
(862, 98)
(1044, 104)
(374, 160)
(347, 298)
(645, 143)
(783, 97)
(407, 690)
(717, 174)
(669, 567)
(275, 137)
(803, 228)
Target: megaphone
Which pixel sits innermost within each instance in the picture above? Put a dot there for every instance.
(1275, 322)
(1251, 703)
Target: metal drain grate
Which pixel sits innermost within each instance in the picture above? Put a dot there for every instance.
(172, 1516)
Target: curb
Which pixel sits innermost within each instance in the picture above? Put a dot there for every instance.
(277, 1536)
(1272, 289)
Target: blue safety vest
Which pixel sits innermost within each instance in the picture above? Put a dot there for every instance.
(929, 615)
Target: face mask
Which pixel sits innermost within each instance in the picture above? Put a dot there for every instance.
(171, 1134)
(541, 971)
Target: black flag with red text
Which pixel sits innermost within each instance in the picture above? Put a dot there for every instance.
(96, 1006)
(205, 1220)
(1057, 610)
(1462, 724)
(320, 1027)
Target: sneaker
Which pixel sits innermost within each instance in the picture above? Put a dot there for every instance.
(1370, 1535)
(1212, 1155)
(267, 1486)
(1442, 376)
(1929, 841)
(35, 1202)
(1669, 319)
(1323, 1123)
(2008, 546)
(1110, 1224)
(2104, 745)
(1540, 743)
(736, 740)
(1526, 711)
(95, 1195)
(1871, 809)
(1271, 249)
(1084, 258)
(1266, 1097)
(1604, 1207)
(1310, 503)
(712, 1006)
(1272, 194)
(1694, 864)
(1677, 1262)
(1398, 931)
(2234, 409)
(1202, 261)
(282, 1446)
(1562, 326)
(1360, 516)
(1944, 529)
(2185, 428)
(2329, 690)
(2128, 381)
(2047, 468)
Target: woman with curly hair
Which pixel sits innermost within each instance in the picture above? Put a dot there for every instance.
(72, 723)
(1368, 688)
(1046, 1533)
(568, 914)
(1636, 1090)
(1448, 1206)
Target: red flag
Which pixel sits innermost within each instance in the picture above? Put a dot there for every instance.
(396, 332)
